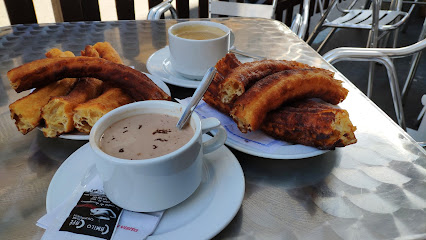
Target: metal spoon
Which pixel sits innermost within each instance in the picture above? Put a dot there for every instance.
(234, 50)
(198, 94)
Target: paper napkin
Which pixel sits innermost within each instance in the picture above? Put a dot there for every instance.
(89, 211)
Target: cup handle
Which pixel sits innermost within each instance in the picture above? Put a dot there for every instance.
(218, 140)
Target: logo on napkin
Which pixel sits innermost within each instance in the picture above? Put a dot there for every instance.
(94, 215)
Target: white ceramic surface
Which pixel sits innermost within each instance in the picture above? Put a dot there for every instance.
(191, 58)
(157, 183)
(202, 216)
(291, 151)
(159, 64)
(75, 135)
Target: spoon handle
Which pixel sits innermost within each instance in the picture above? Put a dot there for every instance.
(246, 54)
(198, 94)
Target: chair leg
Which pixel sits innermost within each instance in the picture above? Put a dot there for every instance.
(396, 96)
(320, 47)
(413, 68)
(395, 38)
(318, 27)
(371, 70)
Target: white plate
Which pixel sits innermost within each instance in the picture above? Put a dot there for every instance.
(289, 151)
(202, 216)
(159, 64)
(75, 135)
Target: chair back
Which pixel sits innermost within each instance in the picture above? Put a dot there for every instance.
(237, 9)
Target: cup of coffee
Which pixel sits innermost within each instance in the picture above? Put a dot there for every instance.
(146, 163)
(195, 46)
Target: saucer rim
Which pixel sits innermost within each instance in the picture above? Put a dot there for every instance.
(228, 161)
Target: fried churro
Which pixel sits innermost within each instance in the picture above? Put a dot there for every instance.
(241, 78)
(59, 111)
(311, 123)
(106, 51)
(26, 111)
(268, 94)
(86, 114)
(38, 73)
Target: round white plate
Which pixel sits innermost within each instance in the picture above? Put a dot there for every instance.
(202, 216)
(75, 135)
(289, 151)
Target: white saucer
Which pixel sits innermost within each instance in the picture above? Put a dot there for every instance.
(202, 216)
(159, 64)
(83, 136)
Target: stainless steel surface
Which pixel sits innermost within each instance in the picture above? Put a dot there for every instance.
(374, 189)
(198, 95)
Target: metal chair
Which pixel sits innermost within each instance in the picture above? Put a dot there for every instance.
(157, 11)
(383, 56)
(298, 26)
(237, 9)
(373, 19)
(300, 21)
(216, 8)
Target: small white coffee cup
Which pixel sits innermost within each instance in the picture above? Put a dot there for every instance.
(191, 58)
(158, 183)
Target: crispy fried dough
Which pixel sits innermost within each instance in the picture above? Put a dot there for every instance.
(90, 51)
(311, 123)
(227, 64)
(241, 78)
(54, 52)
(211, 96)
(59, 111)
(224, 66)
(106, 51)
(86, 114)
(41, 72)
(26, 111)
(268, 94)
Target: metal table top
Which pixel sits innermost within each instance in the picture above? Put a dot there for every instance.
(374, 189)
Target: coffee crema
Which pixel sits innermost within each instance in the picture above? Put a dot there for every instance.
(144, 136)
(198, 32)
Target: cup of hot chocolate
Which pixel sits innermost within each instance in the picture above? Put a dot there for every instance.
(146, 163)
(195, 46)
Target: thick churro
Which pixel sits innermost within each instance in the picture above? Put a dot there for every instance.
(38, 73)
(59, 111)
(311, 123)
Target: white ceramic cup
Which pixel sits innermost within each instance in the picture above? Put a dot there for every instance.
(191, 58)
(158, 183)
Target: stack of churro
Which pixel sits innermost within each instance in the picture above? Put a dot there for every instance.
(74, 92)
(273, 95)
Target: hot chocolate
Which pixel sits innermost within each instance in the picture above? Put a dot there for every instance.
(144, 136)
